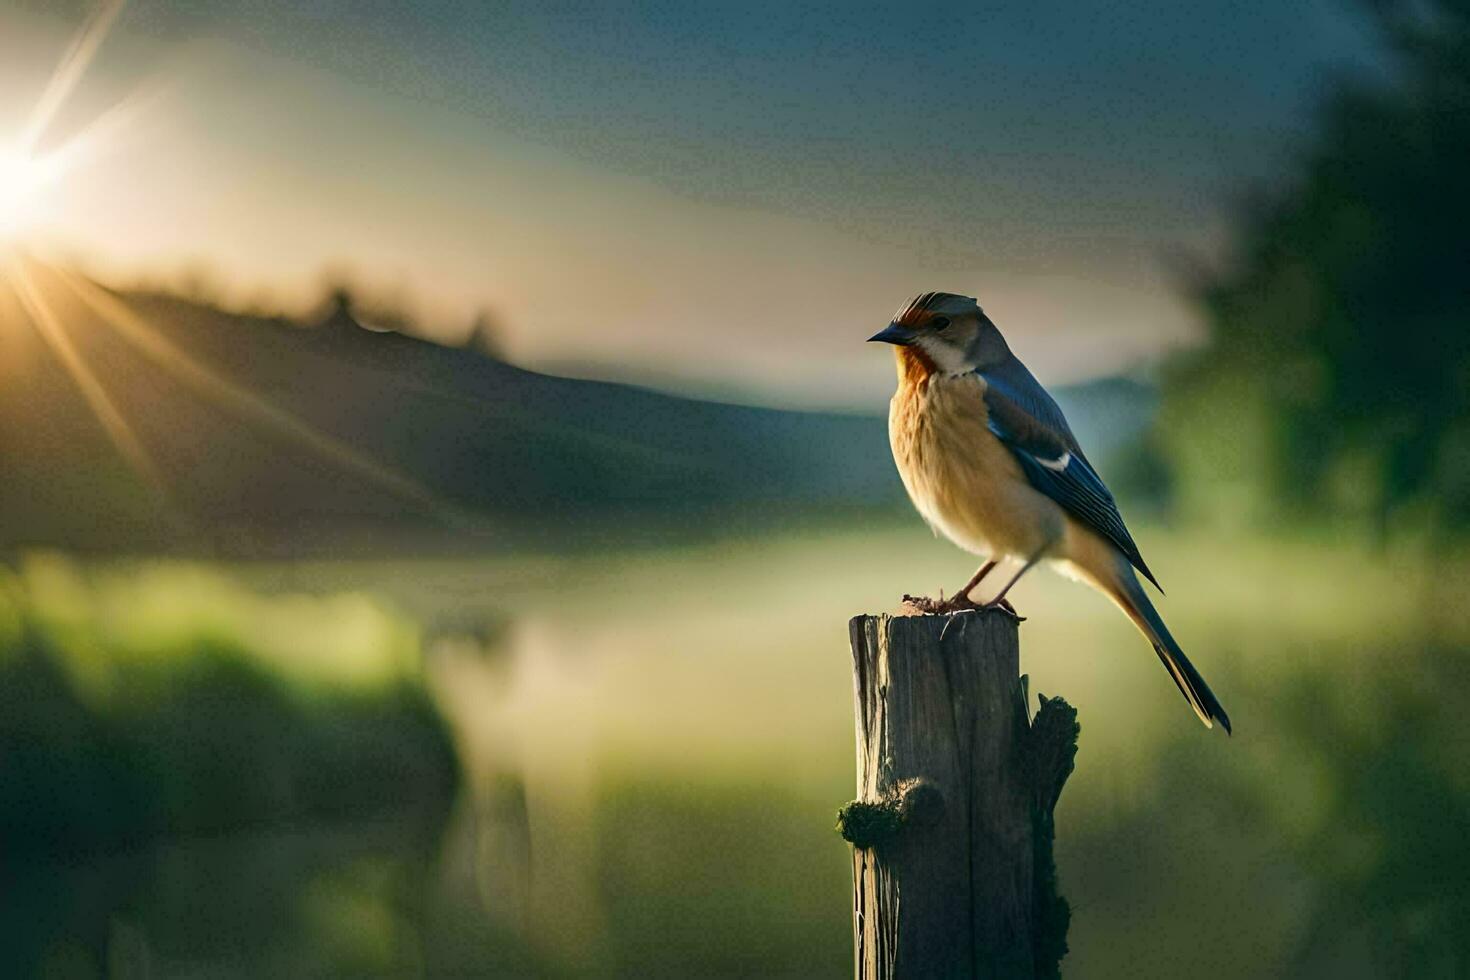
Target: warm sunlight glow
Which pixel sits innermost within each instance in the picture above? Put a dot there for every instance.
(25, 174)
(23, 181)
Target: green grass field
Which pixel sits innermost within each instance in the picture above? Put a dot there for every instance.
(654, 742)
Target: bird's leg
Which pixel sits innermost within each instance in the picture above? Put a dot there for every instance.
(1000, 597)
(959, 602)
(963, 595)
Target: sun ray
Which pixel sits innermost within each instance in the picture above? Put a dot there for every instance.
(102, 127)
(253, 408)
(49, 326)
(69, 71)
(27, 170)
(46, 168)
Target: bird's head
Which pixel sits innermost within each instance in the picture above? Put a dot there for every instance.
(944, 332)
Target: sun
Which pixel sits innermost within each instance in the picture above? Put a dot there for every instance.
(25, 174)
(23, 182)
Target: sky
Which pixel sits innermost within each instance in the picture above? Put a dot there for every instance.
(717, 198)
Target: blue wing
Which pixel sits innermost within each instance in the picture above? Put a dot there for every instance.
(1026, 419)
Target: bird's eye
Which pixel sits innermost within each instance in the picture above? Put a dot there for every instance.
(939, 322)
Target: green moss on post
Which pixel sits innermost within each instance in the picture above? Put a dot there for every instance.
(917, 802)
(868, 824)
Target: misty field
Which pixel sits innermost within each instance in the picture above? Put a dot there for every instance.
(653, 745)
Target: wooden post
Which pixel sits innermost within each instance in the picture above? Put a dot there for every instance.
(952, 825)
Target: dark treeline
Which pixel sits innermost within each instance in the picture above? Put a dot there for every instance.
(1336, 381)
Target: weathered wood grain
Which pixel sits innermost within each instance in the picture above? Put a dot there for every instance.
(952, 822)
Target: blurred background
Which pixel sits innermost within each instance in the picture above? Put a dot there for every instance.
(439, 459)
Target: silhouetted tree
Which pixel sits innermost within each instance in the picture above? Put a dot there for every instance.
(485, 336)
(344, 309)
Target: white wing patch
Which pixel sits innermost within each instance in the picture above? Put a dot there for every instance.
(1058, 465)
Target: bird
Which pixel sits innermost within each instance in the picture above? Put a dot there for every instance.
(989, 461)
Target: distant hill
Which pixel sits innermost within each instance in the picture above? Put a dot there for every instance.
(265, 430)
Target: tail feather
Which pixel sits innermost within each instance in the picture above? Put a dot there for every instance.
(1129, 595)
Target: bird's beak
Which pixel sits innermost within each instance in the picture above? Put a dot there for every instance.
(896, 334)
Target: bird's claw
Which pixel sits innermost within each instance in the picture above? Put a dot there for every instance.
(1004, 603)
